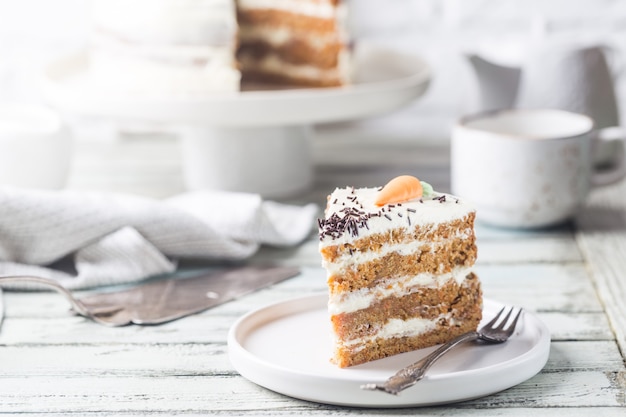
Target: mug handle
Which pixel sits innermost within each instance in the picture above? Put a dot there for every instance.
(610, 155)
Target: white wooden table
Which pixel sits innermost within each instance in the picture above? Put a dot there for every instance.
(573, 277)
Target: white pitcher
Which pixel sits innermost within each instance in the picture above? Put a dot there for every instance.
(560, 76)
(577, 79)
(498, 83)
(551, 75)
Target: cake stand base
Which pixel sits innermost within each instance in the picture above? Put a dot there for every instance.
(270, 161)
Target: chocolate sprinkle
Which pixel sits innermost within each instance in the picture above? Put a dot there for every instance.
(336, 225)
(351, 217)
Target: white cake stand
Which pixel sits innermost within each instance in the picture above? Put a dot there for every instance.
(255, 140)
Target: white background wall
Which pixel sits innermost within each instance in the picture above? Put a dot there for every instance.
(35, 31)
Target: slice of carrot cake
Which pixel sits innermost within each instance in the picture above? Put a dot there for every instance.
(399, 262)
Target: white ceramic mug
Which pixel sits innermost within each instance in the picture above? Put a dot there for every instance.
(527, 168)
(35, 147)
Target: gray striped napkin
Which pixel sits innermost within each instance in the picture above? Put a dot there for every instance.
(88, 239)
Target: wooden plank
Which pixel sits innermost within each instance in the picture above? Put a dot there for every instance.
(561, 293)
(234, 394)
(541, 287)
(211, 360)
(499, 245)
(568, 356)
(122, 360)
(210, 327)
(528, 250)
(578, 326)
(538, 287)
(77, 330)
(441, 411)
(602, 238)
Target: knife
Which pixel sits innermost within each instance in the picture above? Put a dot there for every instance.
(170, 299)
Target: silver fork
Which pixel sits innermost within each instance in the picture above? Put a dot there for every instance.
(103, 316)
(409, 376)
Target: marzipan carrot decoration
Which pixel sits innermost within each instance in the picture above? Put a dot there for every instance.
(399, 189)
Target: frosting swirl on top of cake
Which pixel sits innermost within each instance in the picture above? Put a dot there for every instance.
(352, 212)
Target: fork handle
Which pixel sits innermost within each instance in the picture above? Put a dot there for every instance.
(410, 375)
(419, 368)
(76, 304)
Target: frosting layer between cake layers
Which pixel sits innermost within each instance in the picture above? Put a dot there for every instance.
(400, 277)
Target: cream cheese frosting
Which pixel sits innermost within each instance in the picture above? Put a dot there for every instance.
(402, 248)
(365, 218)
(321, 9)
(164, 46)
(273, 64)
(186, 22)
(363, 298)
(398, 328)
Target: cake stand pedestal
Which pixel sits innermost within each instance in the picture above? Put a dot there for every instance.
(256, 140)
(271, 161)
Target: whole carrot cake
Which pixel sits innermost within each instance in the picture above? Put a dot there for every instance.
(399, 262)
(208, 46)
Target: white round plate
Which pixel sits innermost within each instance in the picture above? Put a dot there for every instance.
(286, 347)
(384, 80)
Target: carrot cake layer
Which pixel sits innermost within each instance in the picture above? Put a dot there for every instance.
(425, 303)
(424, 258)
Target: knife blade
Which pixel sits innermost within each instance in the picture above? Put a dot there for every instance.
(170, 299)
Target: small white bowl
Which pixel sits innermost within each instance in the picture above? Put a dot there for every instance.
(35, 147)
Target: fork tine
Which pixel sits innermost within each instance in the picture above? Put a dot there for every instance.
(511, 328)
(504, 320)
(495, 319)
